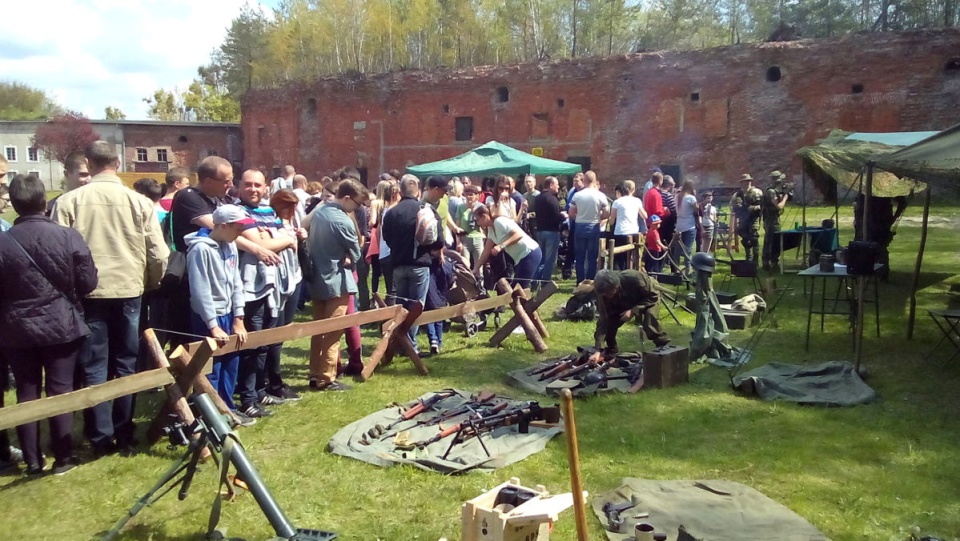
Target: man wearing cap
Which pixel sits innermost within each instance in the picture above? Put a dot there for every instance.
(774, 199)
(619, 295)
(746, 204)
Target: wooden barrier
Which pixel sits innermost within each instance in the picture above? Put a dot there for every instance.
(44, 408)
(525, 315)
(606, 257)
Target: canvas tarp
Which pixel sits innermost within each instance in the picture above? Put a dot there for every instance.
(708, 510)
(842, 157)
(935, 160)
(506, 444)
(491, 158)
(834, 383)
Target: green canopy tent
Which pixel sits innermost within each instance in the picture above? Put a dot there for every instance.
(936, 161)
(494, 157)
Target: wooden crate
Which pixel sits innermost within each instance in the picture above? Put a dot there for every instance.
(665, 367)
(483, 520)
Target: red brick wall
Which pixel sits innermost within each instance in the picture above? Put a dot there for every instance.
(626, 113)
(186, 144)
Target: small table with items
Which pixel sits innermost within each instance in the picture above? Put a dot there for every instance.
(842, 305)
(824, 240)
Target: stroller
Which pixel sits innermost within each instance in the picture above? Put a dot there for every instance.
(468, 288)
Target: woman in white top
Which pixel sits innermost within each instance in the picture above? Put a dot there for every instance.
(626, 213)
(688, 221)
(708, 222)
(505, 235)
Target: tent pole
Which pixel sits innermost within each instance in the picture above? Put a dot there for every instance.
(916, 270)
(861, 280)
(803, 217)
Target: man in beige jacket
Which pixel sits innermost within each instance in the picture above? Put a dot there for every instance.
(121, 228)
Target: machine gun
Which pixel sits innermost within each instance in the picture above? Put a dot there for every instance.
(613, 513)
(476, 426)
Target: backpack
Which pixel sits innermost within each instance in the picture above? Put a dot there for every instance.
(427, 231)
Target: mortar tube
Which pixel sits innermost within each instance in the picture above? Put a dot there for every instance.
(216, 423)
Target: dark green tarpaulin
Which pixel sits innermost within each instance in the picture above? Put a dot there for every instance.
(491, 158)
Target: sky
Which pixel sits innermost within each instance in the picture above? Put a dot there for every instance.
(90, 54)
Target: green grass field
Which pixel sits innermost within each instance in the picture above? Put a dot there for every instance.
(871, 472)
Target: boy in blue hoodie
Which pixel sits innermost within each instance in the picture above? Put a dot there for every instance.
(441, 280)
(216, 293)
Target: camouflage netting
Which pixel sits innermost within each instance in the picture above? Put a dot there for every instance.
(842, 161)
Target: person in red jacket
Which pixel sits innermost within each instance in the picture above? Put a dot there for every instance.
(653, 200)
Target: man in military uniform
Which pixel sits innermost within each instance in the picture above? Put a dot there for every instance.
(746, 204)
(774, 199)
(619, 294)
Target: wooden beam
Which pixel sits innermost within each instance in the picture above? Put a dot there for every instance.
(530, 307)
(176, 400)
(520, 317)
(458, 310)
(301, 330)
(388, 329)
(44, 408)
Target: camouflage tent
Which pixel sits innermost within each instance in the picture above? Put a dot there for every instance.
(836, 164)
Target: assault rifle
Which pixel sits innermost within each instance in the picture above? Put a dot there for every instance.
(481, 400)
(411, 412)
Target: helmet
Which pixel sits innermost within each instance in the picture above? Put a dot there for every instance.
(703, 261)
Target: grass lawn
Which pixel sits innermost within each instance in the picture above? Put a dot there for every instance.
(864, 473)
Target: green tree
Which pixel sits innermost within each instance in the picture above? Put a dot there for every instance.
(19, 101)
(113, 113)
(243, 52)
(165, 105)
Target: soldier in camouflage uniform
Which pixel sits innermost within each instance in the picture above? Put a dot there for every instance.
(746, 205)
(774, 199)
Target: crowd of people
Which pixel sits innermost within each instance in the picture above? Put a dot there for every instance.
(88, 271)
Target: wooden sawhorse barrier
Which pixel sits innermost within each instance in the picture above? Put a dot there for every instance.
(525, 315)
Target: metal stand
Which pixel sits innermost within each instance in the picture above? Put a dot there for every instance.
(211, 430)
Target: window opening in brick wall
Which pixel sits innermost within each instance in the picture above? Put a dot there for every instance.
(162, 155)
(182, 138)
(464, 128)
(363, 175)
(33, 154)
(695, 97)
(10, 153)
(261, 135)
(583, 161)
(857, 88)
(773, 74)
(141, 154)
(312, 106)
(446, 108)
(952, 67)
(560, 103)
(503, 94)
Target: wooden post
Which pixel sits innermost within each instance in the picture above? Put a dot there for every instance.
(176, 399)
(399, 339)
(180, 360)
(521, 315)
(530, 307)
(916, 269)
(611, 245)
(573, 462)
(388, 329)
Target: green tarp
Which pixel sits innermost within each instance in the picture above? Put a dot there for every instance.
(491, 158)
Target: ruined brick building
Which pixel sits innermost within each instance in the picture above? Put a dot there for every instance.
(711, 114)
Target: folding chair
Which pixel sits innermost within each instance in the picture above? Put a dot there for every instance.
(948, 321)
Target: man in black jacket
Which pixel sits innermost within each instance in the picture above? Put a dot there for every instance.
(410, 260)
(546, 206)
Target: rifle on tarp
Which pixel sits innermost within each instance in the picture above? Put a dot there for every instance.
(419, 407)
(500, 416)
(481, 400)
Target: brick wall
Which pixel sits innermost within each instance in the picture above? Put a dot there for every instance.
(185, 144)
(715, 113)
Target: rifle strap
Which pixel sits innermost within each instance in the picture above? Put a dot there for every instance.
(229, 443)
